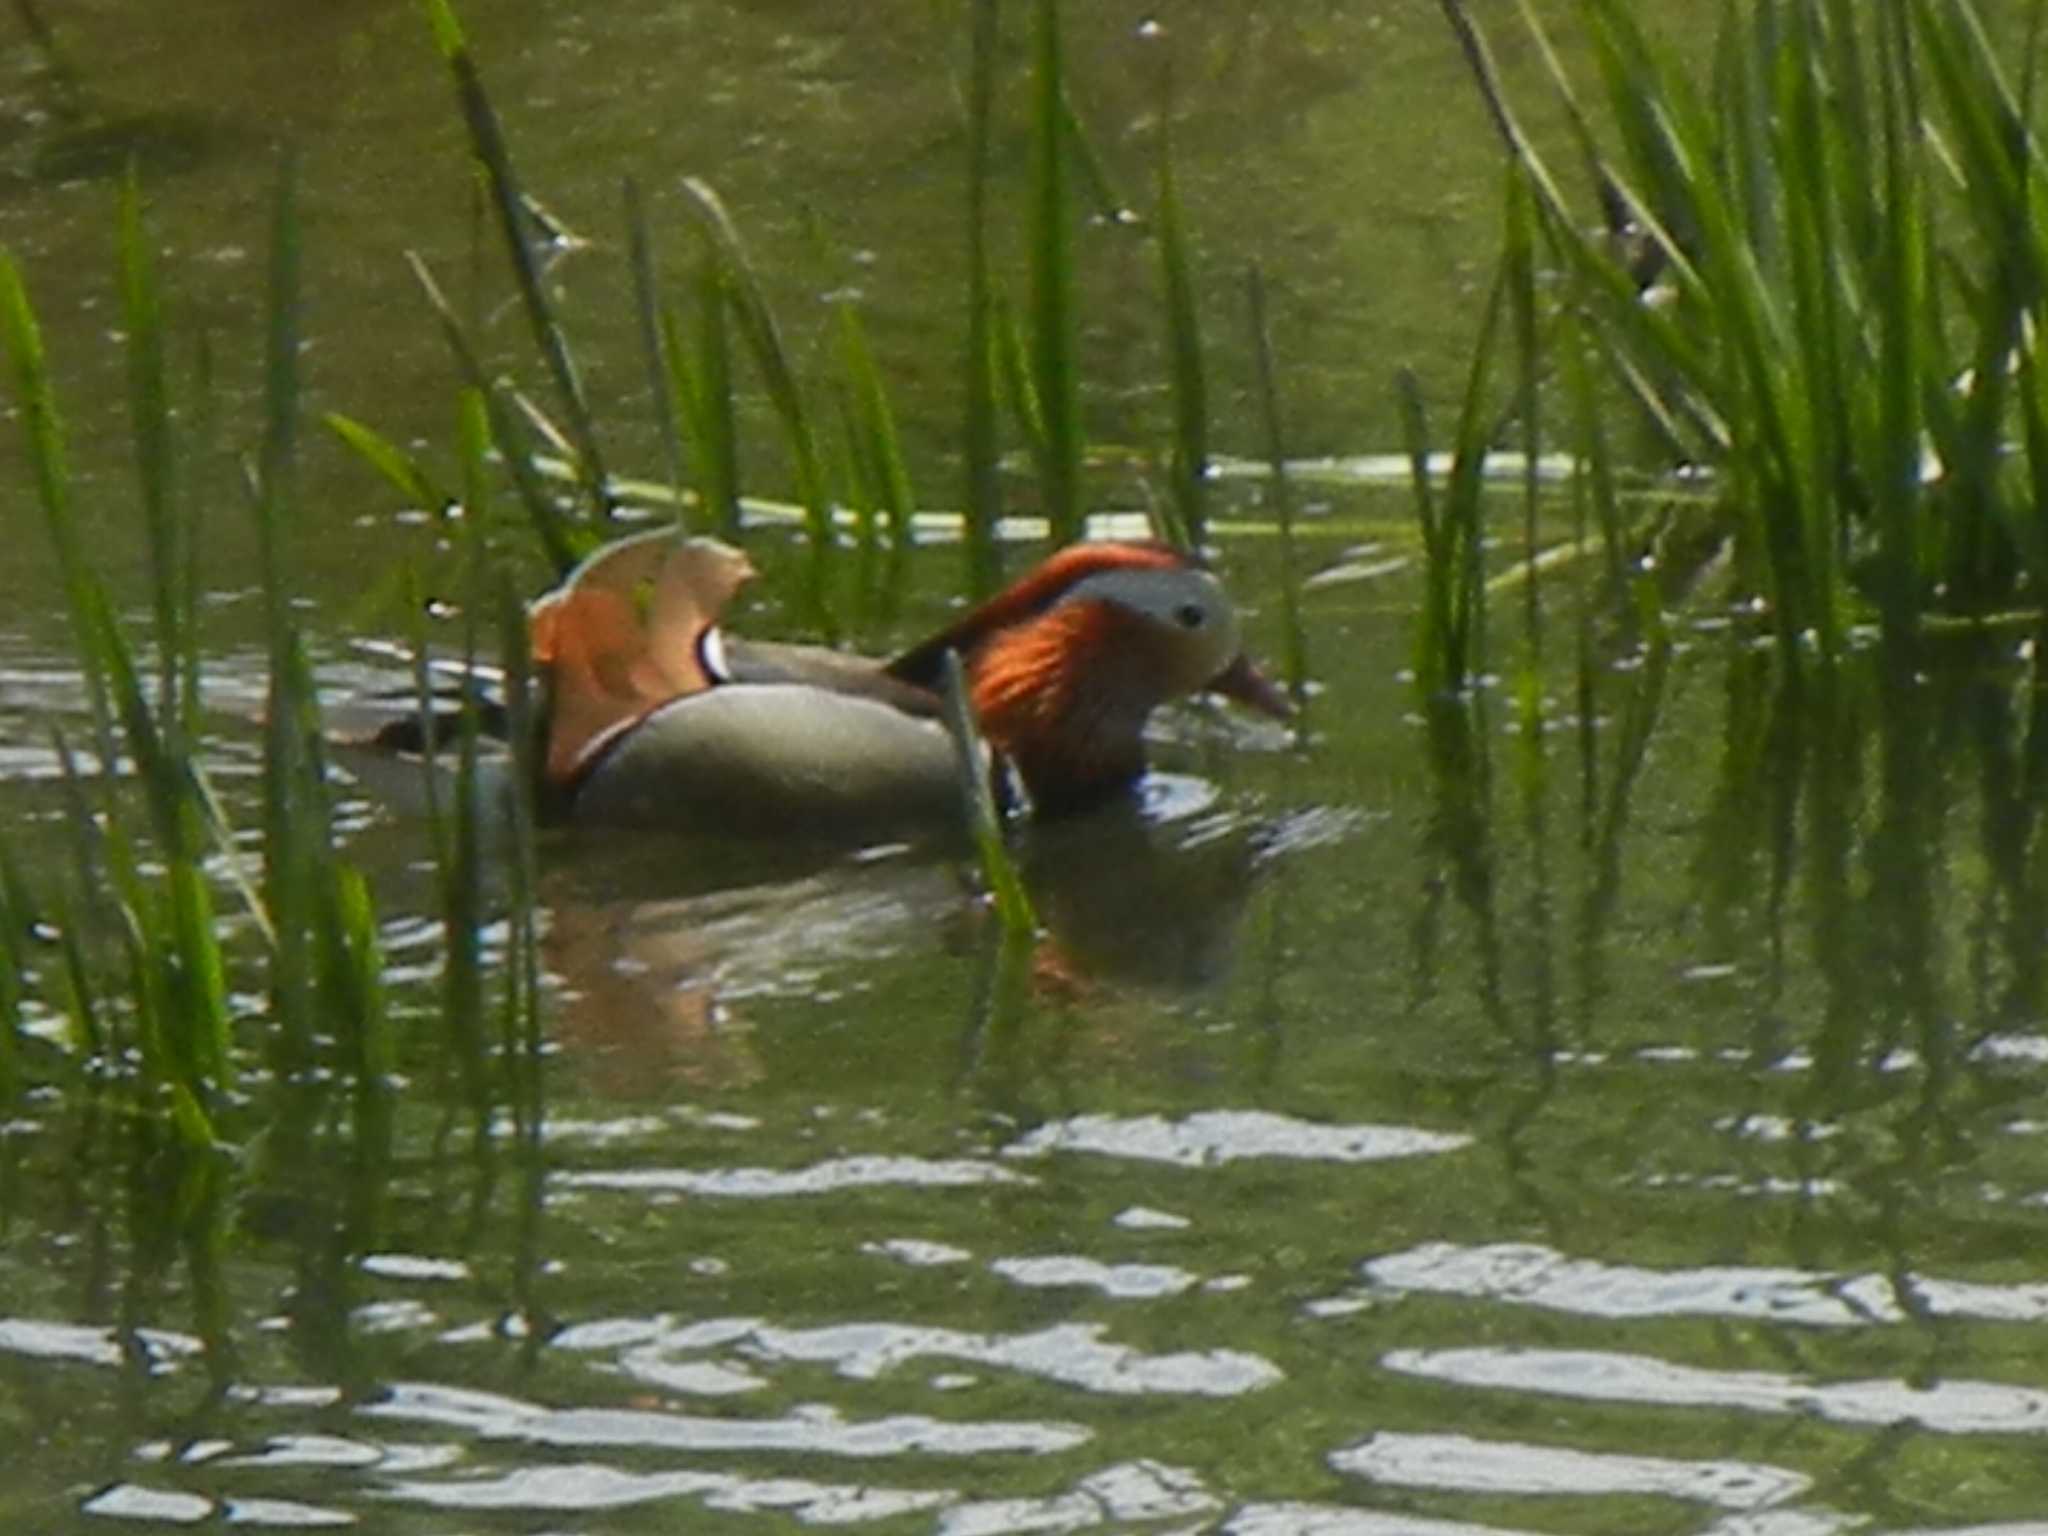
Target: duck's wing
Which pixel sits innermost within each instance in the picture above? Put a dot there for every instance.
(624, 635)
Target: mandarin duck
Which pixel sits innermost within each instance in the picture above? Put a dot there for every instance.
(656, 718)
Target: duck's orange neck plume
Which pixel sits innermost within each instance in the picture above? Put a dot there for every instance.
(1055, 698)
(924, 663)
(1061, 688)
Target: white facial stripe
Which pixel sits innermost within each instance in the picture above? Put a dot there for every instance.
(711, 655)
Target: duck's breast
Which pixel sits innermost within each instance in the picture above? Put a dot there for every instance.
(764, 758)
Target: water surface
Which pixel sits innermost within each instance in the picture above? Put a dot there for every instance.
(1431, 1127)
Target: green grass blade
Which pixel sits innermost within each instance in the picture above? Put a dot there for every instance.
(1020, 389)
(463, 845)
(294, 794)
(763, 333)
(150, 427)
(1520, 276)
(714, 409)
(192, 1018)
(1451, 627)
(1907, 344)
(354, 971)
(763, 336)
(1465, 501)
(1595, 482)
(1479, 59)
(984, 823)
(522, 999)
(279, 452)
(404, 472)
(516, 226)
(647, 316)
(874, 444)
(1280, 487)
(15, 917)
(196, 495)
(21, 339)
(1190, 470)
(1054, 367)
(508, 431)
(80, 1000)
(979, 448)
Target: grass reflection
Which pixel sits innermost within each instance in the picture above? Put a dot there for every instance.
(1855, 870)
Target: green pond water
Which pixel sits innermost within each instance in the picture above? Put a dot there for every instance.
(1428, 1127)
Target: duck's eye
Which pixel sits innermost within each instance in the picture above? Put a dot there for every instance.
(1190, 615)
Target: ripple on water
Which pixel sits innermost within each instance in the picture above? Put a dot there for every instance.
(1947, 1407)
(584, 1486)
(818, 1179)
(1218, 1136)
(1141, 1218)
(340, 1453)
(1074, 1354)
(916, 1252)
(690, 1378)
(1299, 1519)
(1122, 1282)
(1071, 1354)
(1303, 1519)
(1462, 1464)
(285, 1512)
(1132, 1491)
(817, 1431)
(132, 1501)
(1528, 1274)
(40, 1340)
(1141, 1490)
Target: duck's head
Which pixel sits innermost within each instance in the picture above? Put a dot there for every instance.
(1065, 666)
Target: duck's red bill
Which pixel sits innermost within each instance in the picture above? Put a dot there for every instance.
(1252, 688)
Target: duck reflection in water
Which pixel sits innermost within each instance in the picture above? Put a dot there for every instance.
(664, 989)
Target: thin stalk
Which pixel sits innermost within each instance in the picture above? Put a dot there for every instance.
(985, 827)
(1519, 274)
(201, 474)
(508, 431)
(763, 335)
(700, 380)
(21, 339)
(522, 1020)
(149, 425)
(983, 498)
(1451, 629)
(516, 224)
(1054, 374)
(400, 469)
(1190, 468)
(876, 450)
(1281, 488)
(293, 798)
(461, 865)
(15, 910)
(646, 313)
